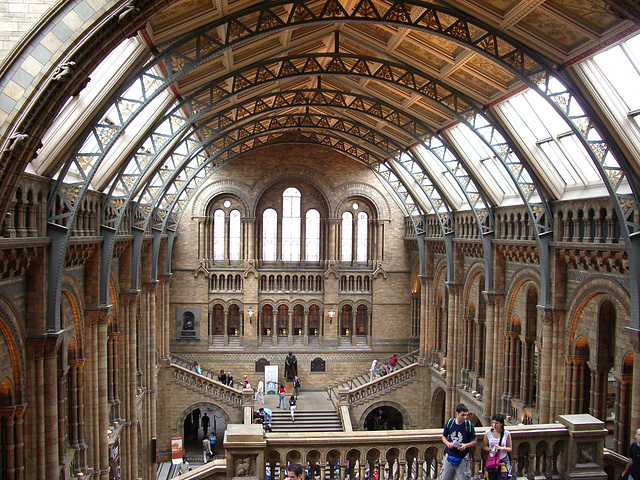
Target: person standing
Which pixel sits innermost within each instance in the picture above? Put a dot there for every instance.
(206, 449)
(230, 379)
(373, 370)
(497, 441)
(212, 443)
(393, 363)
(260, 391)
(295, 472)
(195, 415)
(458, 436)
(292, 407)
(196, 368)
(296, 386)
(222, 378)
(205, 426)
(633, 465)
(281, 399)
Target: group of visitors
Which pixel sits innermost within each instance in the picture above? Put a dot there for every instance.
(263, 416)
(377, 371)
(226, 378)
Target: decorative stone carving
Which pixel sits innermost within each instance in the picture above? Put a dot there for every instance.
(64, 71)
(245, 467)
(129, 8)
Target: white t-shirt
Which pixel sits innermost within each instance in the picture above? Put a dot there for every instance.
(493, 442)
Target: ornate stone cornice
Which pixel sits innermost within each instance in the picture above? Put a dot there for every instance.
(597, 259)
(526, 253)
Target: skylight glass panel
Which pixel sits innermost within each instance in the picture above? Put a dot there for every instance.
(478, 153)
(553, 137)
(617, 64)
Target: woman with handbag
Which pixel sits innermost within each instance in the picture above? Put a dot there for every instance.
(497, 442)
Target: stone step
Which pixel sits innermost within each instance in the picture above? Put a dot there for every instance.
(307, 421)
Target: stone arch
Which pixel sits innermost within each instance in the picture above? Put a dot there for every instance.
(13, 335)
(179, 420)
(438, 405)
(369, 193)
(406, 417)
(518, 280)
(233, 188)
(589, 290)
(291, 174)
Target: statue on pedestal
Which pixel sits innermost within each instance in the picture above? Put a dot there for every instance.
(290, 367)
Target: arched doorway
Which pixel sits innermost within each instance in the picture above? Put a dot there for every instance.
(384, 418)
(199, 423)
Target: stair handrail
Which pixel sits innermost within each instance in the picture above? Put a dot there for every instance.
(332, 388)
(207, 385)
(188, 364)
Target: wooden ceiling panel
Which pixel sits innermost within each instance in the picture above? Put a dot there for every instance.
(550, 29)
(594, 14)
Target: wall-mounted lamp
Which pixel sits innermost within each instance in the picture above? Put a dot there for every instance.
(250, 312)
(332, 312)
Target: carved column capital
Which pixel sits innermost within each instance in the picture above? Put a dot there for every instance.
(98, 315)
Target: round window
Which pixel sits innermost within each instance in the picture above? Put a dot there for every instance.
(227, 204)
(355, 206)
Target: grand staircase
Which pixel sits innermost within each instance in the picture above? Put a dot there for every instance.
(306, 421)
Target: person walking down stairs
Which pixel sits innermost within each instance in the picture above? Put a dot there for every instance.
(292, 407)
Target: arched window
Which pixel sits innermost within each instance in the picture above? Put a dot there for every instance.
(347, 236)
(234, 235)
(361, 248)
(298, 320)
(345, 320)
(283, 320)
(218, 235)
(362, 320)
(233, 321)
(314, 320)
(291, 225)
(312, 236)
(267, 319)
(217, 320)
(269, 235)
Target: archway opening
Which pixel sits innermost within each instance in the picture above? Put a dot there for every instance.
(384, 418)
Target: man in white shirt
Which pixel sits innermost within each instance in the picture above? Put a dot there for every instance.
(260, 391)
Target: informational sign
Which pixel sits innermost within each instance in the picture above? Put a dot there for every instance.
(176, 450)
(271, 379)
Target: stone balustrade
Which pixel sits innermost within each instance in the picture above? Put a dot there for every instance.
(570, 449)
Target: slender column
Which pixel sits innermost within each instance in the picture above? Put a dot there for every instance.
(582, 393)
(332, 238)
(453, 349)
(274, 328)
(133, 411)
(7, 425)
(226, 327)
(427, 326)
(51, 452)
(290, 328)
(379, 240)
(305, 329)
(508, 380)
(544, 405)
(82, 442)
(73, 401)
(492, 336)
(62, 413)
(18, 442)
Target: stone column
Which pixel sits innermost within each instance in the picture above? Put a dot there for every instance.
(225, 323)
(290, 328)
(427, 325)
(18, 442)
(50, 450)
(305, 328)
(492, 338)
(544, 404)
(453, 348)
(7, 425)
(333, 222)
